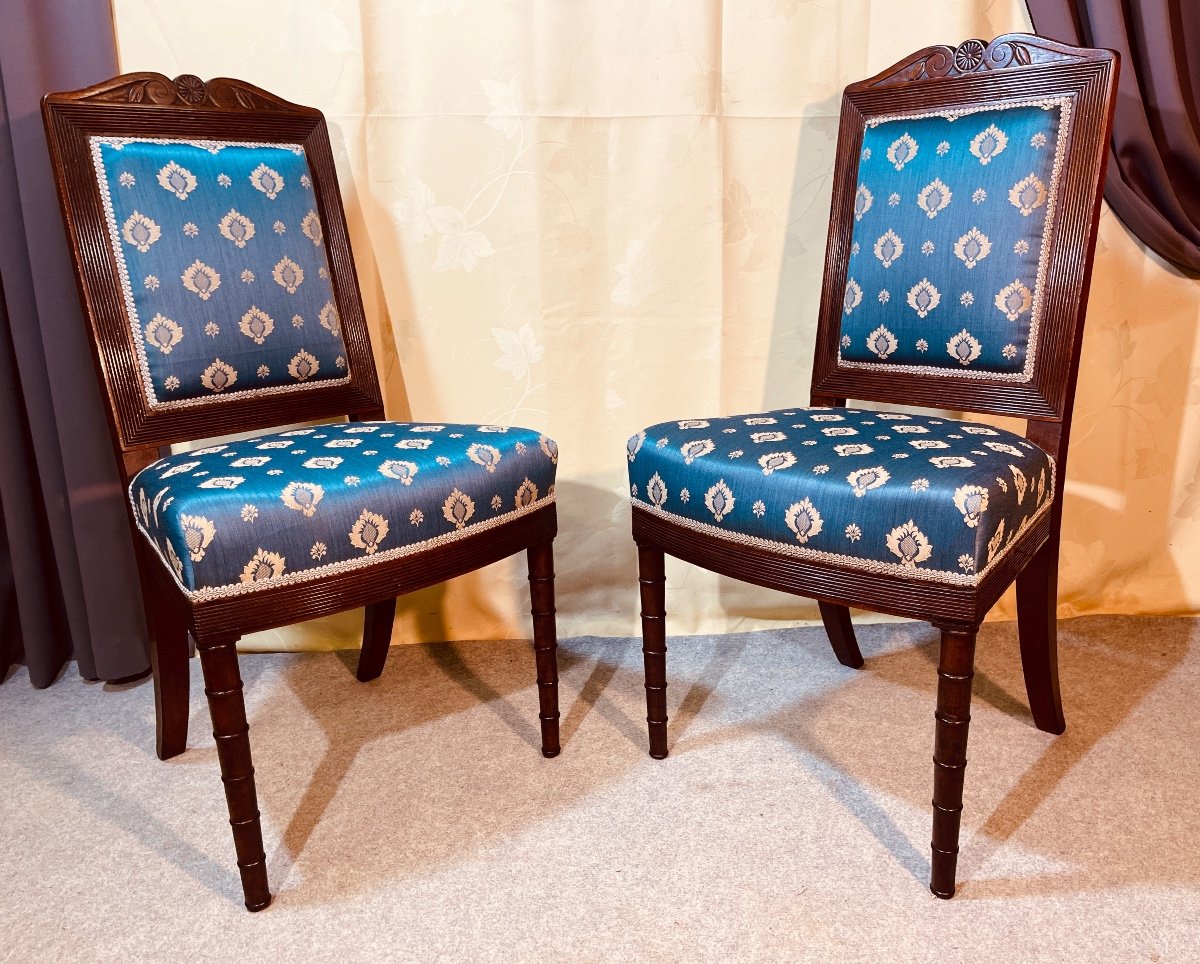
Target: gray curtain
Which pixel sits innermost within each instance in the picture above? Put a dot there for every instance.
(68, 581)
(1153, 180)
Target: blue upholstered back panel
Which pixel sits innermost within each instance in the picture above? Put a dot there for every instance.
(223, 265)
(951, 226)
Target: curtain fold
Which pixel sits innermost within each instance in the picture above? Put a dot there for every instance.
(1154, 171)
(29, 579)
(66, 557)
(10, 627)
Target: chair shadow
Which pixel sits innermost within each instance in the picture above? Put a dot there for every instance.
(421, 686)
(725, 656)
(418, 805)
(50, 763)
(1105, 677)
(823, 762)
(1109, 678)
(603, 671)
(449, 660)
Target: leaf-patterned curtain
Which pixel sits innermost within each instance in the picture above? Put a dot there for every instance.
(591, 217)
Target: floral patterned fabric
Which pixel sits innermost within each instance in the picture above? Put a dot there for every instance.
(951, 222)
(295, 505)
(223, 265)
(883, 491)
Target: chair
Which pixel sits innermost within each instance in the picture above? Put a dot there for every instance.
(965, 200)
(214, 267)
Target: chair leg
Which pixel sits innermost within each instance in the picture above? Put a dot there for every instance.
(841, 634)
(377, 638)
(652, 580)
(953, 716)
(169, 658)
(545, 642)
(1037, 625)
(223, 687)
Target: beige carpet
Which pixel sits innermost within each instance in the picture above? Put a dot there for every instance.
(413, 818)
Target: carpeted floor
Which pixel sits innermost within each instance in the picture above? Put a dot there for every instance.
(413, 817)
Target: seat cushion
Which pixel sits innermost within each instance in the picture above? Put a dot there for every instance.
(886, 492)
(296, 505)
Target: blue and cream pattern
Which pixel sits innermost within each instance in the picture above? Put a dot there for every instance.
(952, 219)
(929, 498)
(300, 504)
(223, 267)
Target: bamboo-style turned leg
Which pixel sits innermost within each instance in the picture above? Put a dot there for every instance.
(953, 716)
(545, 642)
(223, 687)
(377, 637)
(652, 581)
(1037, 625)
(840, 630)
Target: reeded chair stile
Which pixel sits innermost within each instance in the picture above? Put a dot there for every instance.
(966, 197)
(214, 267)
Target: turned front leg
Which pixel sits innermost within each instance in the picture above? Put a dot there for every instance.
(226, 705)
(545, 642)
(955, 673)
(652, 582)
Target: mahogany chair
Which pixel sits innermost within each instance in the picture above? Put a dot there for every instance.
(214, 267)
(965, 201)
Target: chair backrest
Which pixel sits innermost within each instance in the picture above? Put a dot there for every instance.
(211, 253)
(965, 203)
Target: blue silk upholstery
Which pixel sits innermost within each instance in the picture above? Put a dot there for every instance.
(223, 265)
(309, 502)
(887, 492)
(951, 220)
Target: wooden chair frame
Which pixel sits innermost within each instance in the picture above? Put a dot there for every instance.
(152, 105)
(1013, 66)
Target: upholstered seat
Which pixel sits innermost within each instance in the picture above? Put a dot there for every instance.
(883, 491)
(309, 502)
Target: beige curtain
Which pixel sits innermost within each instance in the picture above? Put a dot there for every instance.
(585, 216)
